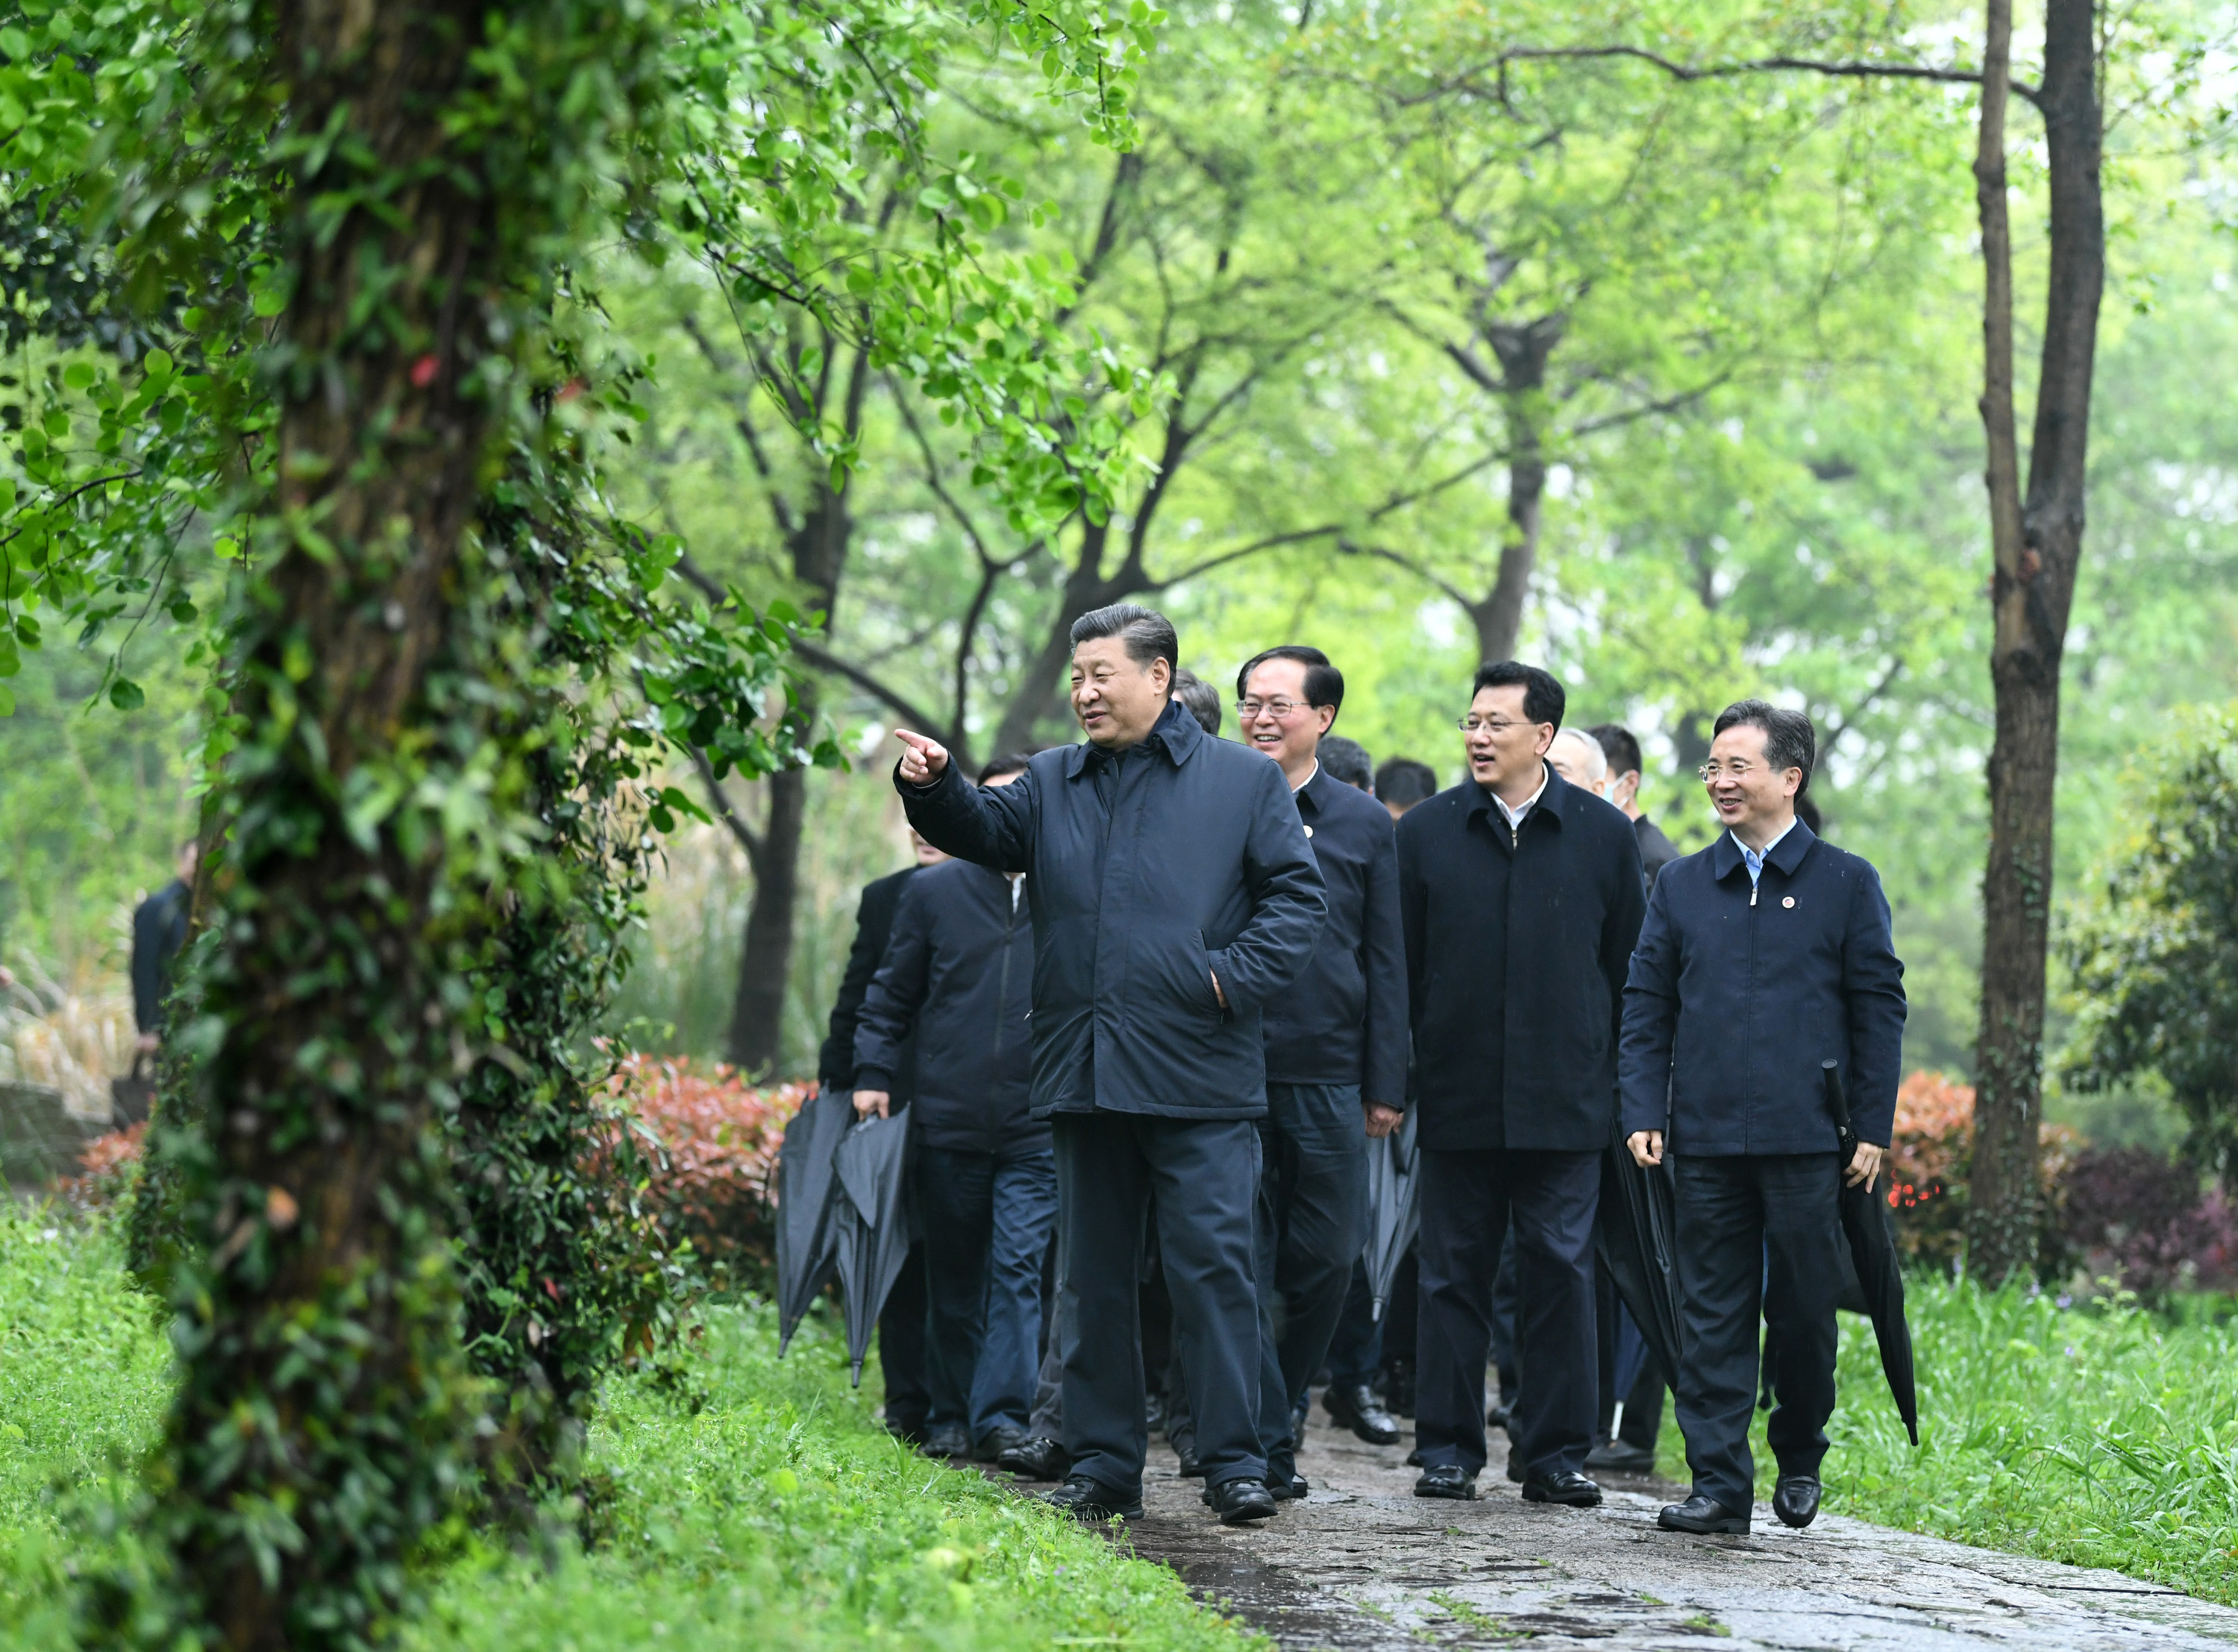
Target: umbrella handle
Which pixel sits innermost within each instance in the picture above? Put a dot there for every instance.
(1375, 1309)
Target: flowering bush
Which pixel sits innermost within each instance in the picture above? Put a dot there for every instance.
(1929, 1161)
(718, 1137)
(2134, 1217)
(108, 1166)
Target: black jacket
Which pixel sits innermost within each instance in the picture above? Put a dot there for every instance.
(1516, 949)
(1196, 865)
(958, 973)
(159, 929)
(1343, 1020)
(1732, 1005)
(1656, 851)
(874, 926)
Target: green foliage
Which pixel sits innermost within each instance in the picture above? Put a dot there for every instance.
(2153, 948)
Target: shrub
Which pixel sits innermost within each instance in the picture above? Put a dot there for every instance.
(2134, 1217)
(109, 1166)
(1930, 1161)
(718, 1137)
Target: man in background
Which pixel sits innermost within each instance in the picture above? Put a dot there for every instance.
(1347, 760)
(1336, 1045)
(958, 982)
(1522, 896)
(902, 1322)
(159, 930)
(1174, 898)
(1622, 750)
(1200, 699)
(1403, 781)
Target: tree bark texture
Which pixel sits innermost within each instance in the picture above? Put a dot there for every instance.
(312, 1433)
(2032, 589)
(1523, 352)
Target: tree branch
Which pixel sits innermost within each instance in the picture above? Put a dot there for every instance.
(749, 839)
(1852, 70)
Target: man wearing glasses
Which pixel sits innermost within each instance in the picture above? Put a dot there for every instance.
(1762, 956)
(1336, 1048)
(1521, 897)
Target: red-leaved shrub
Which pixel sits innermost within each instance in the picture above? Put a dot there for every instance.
(1932, 1155)
(718, 1137)
(2134, 1217)
(106, 1164)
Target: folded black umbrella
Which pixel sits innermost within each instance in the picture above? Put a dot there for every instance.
(1636, 1237)
(806, 1162)
(1880, 1276)
(870, 1225)
(1395, 1209)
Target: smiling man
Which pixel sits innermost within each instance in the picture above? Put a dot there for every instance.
(1174, 899)
(1522, 896)
(1336, 1047)
(1763, 955)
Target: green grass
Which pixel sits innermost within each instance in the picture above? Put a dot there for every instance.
(2098, 1436)
(773, 1512)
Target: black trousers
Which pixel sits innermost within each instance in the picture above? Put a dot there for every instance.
(1205, 1177)
(1467, 1200)
(902, 1350)
(1759, 1238)
(1312, 1225)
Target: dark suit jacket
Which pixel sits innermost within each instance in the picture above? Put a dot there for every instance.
(1196, 865)
(1656, 851)
(874, 926)
(958, 977)
(159, 929)
(1516, 948)
(1732, 1006)
(1343, 1020)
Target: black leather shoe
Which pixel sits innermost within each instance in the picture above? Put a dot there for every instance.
(1414, 1458)
(1036, 1459)
(1497, 1417)
(1514, 1468)
(948, 1440)
(1238, 1503)
(998, 1440)
(1286, 1485)
(1356, 1408)
(1702, 1514)
(1447, 1480)
(1088, 1500)
(1191, 1469)
(1298, 1413)
(1796, 1501)
(1620, 1456)
(1571, 1489)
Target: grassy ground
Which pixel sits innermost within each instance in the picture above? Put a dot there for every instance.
(774, 1512)
(2101, 1437)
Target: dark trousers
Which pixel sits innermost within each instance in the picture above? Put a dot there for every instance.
(901, 1348)
(987, 1221)
(1760, 1238)
(1355, 1350)
(1467, 1200)
(1312, 1227)
(1205, 1177)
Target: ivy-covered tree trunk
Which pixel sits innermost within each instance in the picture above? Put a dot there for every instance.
(2031, 590)
(312, 1436)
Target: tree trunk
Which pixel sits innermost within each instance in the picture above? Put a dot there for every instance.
(765, 966)
(313, 1433)
(2031, 592)
(1036, 699)
(1523, 353)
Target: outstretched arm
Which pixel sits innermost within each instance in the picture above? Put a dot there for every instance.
(989, 825)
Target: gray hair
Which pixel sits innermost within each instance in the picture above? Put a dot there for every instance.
(1590, 758)
(1789, 740)
(1199, 698)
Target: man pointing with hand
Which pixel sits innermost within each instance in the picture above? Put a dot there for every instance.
(1174, 895)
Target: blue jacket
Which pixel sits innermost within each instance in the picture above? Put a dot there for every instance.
(1730, 1006)
(1344, 1019)
(1196, 865)
(1516, 947)
(958, 977)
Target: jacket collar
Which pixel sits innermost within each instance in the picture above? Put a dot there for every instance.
(1787, 854)
(1557, 800)
(1177, 734)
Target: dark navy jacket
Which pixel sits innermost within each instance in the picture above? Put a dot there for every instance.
(1731, 1006)
(1343, 1020)
(874, 927)
(1516, 948)
(159, 929)
(1199, 865)
(959, 975)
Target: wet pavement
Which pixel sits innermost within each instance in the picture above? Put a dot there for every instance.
(1363, 1565)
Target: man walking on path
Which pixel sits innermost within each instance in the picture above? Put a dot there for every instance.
(1622, 748)
(1336, 1047)
(1174, 898)
(1521, 897)
(1763, 955)
(958, 978)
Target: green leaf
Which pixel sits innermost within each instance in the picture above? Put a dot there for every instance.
(78, 375)
(125, 695)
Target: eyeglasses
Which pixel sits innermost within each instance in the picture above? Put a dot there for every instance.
(1490, 725)
(1712, 772)
(1281, 710)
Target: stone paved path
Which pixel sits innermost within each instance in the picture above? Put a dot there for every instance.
(1364, 1566)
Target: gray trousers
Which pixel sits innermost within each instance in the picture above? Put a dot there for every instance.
(1205, 1177)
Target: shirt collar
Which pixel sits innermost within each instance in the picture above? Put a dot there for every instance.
(1786, 851)
(1300, 790)
(1515, 816)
